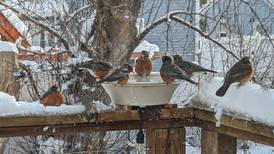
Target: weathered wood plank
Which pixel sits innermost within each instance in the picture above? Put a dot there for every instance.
(86, 127)
(41, 120)
(215, 143)
(244, 125)
(209, 142)
(173, 118)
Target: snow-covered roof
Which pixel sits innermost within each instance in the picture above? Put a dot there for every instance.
(8, 47)
(16, 22)
(249, 101)
(10, 107)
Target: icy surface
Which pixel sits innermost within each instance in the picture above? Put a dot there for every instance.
(10, 107)
(249, 101)
(7, 46)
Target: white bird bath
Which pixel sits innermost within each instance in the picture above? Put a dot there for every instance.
(141, 91)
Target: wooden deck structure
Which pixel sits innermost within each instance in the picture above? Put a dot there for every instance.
(167, 126)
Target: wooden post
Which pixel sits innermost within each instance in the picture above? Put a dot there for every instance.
(214, 143)
(8, 65)
(162, 141)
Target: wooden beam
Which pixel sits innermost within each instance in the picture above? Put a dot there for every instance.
(214, 143)
(179, 117)
(240, 134)
(162, 141)
(238, 124)
(87, 127)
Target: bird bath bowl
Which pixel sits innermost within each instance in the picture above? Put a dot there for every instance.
(141, 91)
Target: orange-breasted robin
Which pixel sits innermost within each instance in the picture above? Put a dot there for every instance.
(53, 97)
(189, 67)
(169, 71)
(121, 75)
(241, 72)
(143, 65)
(96, 68)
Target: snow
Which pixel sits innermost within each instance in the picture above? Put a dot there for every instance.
(10, 107)
(101, 106)
(249, 101)
(50, 145)
(37, 49)
(8, 47)
(32, 64)
(145, 45)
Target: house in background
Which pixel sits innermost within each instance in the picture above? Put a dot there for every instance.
(12, 29)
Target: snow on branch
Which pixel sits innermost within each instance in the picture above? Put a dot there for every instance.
(76, 12)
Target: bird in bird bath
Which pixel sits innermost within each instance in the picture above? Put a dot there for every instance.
(143, 67)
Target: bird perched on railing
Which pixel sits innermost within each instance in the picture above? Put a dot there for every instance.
(120, 74)
(53, 97)
(169, 71)
(241, 72)
(96, 68)
(189, 67)
(143, 65)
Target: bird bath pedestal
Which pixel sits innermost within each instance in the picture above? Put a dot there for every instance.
(147, 91)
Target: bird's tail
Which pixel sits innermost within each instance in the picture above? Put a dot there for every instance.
(222, 90)
(207, 70)
(190, 80)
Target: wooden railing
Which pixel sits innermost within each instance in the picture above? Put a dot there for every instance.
(162, 126)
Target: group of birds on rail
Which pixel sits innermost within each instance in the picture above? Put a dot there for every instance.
(172, 68)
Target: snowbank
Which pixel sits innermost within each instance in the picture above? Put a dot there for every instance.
(249, 101)
(8, 46)
(10, 107)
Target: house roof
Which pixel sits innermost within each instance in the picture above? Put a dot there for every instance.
(12, 28)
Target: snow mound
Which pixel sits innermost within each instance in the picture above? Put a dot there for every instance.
(8, 47)
(249, 101)
(10, 107)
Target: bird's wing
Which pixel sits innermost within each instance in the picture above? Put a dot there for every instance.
(238, 71)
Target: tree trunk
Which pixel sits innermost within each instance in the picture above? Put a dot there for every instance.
(115, 29)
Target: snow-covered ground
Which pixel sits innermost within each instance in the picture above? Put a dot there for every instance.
(249, 101)
(10, 107)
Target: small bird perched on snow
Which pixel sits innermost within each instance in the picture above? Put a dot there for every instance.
(96, 68)
(143, 65)
(241, 72)
(189, 67)
(121, 75)
(169, 71)
(53, 97)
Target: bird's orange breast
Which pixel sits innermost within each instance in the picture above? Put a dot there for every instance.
(143, 67)
(54, 99)
(101, 74)
(123, 81)
(167, 79)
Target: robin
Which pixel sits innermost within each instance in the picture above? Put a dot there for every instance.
(96, 68)
(121, 75)
(143, 65)
(169, 71)
(189, 67)
(241, 72)
(53, 97)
